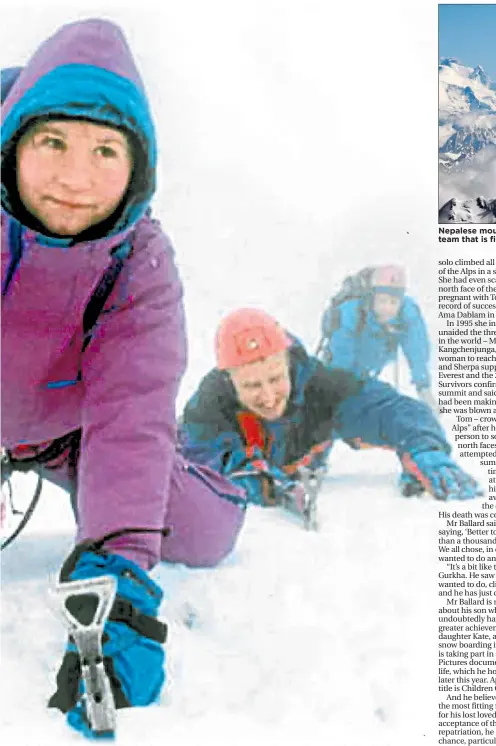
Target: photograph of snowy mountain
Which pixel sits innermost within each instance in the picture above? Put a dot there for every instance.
(467, 114)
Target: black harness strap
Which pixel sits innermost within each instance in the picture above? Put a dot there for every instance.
(100, 297)
(15, 248)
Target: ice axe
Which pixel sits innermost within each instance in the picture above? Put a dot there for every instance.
(311, 480)
(87, 635)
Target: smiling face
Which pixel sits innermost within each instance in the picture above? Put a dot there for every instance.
(264, 386)
(72, 174)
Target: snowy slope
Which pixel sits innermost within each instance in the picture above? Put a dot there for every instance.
(477, 210)
(464, 90)
(277, 177)
(329, 633)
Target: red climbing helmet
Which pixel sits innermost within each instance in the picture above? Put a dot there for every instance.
(390, 278)
(247, 335)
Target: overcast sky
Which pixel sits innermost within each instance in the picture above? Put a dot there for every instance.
(297, 143)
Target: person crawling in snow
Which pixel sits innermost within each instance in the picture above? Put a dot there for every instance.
(363, 333)
(94, 346)
(269, 408)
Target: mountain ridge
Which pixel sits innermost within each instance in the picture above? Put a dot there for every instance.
(467, 112)
(478, 210)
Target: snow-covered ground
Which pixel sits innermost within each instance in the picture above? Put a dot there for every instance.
(282, 169)
(453, 80)
(329, 635)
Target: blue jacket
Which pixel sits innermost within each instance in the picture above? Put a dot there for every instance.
(356, 341)
(263, 456)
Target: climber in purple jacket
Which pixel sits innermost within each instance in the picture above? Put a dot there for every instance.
(93, 343)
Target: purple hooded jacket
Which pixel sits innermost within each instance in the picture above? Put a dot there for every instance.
(121, 389)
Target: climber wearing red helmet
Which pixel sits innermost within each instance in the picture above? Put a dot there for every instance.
(252, 347)
(269, 408)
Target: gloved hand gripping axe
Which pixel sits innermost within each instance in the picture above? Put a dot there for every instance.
(89, 689)
(77, 599)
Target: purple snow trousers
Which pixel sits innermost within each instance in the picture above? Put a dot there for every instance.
(205, 511)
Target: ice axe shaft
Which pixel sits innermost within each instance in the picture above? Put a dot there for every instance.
(98, 698)
(312, 481)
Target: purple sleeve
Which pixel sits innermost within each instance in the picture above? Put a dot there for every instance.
(131, 372)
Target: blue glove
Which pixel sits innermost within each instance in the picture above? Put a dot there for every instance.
(409, 485)
(442, 477)
(134, 657)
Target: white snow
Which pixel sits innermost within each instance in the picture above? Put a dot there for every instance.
(445, 132)
(331, 633)
(328, 634)
(458, 76)
(279, 173)
(478, 177)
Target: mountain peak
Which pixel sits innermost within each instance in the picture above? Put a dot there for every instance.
(467, 113)
(479, 74)
(449, 61)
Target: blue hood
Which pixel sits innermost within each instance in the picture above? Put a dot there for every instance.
(86, 71)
